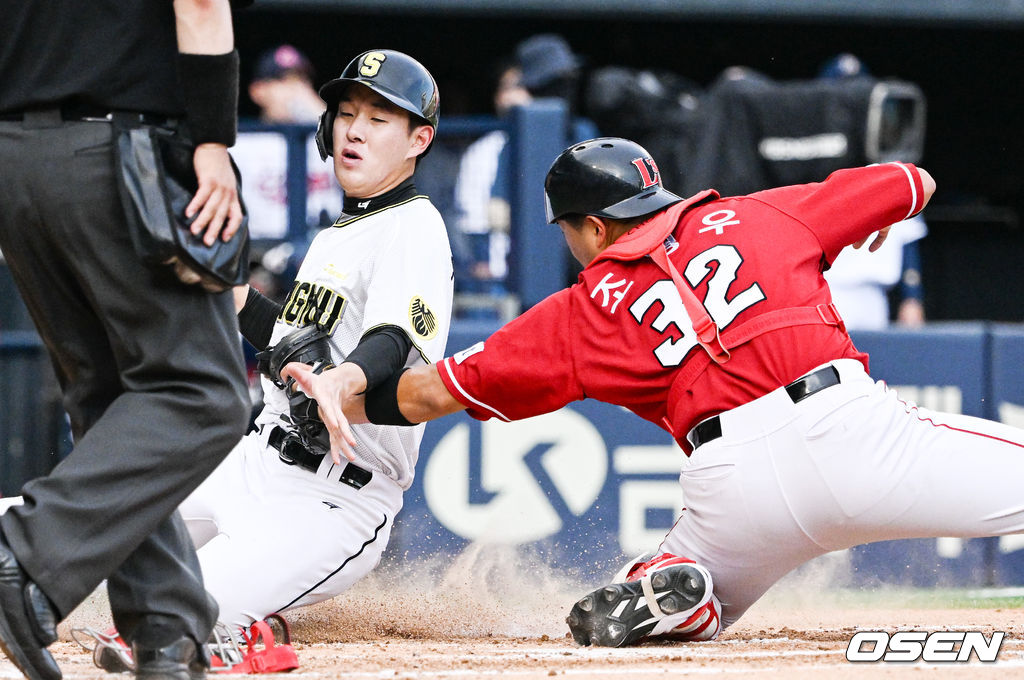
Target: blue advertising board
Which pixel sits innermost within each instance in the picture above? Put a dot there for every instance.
(591, 484)
(945, 368)
(1007, 399)
(588, 485)
(583, 486)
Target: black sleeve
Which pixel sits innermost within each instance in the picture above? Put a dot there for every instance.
(256, 319)
(381, 353)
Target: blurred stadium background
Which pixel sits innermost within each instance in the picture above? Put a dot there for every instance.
(592, 479)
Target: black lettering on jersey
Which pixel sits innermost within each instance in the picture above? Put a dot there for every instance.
(309, 304)
(721, 263)
(296, 300)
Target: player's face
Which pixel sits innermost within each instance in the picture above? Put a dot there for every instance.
(374, 148)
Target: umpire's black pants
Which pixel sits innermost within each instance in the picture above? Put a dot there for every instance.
(153, 381)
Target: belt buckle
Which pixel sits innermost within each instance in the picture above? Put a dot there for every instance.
(286, 450)
(294, 452)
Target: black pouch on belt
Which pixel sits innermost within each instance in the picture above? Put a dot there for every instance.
(157, 180)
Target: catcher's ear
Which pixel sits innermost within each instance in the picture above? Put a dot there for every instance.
(325, 134)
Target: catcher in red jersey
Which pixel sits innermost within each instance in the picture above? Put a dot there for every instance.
(710, 317)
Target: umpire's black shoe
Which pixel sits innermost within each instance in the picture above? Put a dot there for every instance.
(28, 622)
(178, 660)
(617, 614)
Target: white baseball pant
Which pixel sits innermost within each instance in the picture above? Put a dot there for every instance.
(848, 465)
(272, 536)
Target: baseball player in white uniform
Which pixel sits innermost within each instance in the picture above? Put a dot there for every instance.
(278, 525)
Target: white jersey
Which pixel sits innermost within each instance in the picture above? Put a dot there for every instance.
(383, 267)
(391, 267)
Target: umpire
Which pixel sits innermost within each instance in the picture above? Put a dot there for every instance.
(151, 369)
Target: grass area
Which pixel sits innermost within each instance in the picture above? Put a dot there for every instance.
(941, 598)
(826, 582)
(891, 596)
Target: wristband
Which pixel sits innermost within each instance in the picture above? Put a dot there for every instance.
(381, 403)
(209, 89)
(256, 319)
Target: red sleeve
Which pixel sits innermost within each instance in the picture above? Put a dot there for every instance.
(851, 204)
(524, 369)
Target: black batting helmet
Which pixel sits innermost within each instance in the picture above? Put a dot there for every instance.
(397, 77)
(607, 177)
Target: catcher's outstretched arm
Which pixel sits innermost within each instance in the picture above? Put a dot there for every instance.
(418, 396)
(928, 188)
(422, 396)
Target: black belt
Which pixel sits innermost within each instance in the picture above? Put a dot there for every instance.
(798, 390)
(86, 113)
(292, 451)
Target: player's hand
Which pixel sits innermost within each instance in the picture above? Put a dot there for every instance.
(216, 205)
(877, 243)
(329, 389)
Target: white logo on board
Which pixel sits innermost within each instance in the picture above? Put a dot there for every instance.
(527, 475)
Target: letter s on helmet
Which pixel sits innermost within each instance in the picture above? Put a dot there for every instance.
(607, 177)
(397, 77)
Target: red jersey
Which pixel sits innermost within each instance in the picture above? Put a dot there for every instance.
(622, 335)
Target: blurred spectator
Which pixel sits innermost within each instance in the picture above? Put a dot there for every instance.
(863, 283)
(282, 86)
(483, 220)
(544, 66)
(550, 69)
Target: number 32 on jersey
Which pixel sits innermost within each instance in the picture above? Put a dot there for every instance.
(722, 309)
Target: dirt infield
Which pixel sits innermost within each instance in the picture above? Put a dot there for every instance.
(484, 617)
(770, 643)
